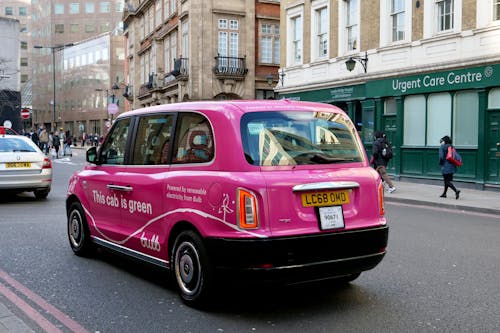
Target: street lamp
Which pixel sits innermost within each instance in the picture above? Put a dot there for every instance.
(281, 76)
(53, 50)
(351, 62)
(112, 107)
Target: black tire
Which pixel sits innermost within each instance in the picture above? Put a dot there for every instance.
(191, 269)
(41, 194)
(78, 231)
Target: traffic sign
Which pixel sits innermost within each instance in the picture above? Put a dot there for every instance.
(25, 113)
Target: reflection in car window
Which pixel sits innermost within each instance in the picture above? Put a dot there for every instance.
(113, 148)
(153, 140)
(295, 138)
(14, 145)
(194, 140)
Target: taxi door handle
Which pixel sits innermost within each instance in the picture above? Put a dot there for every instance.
(119, 188)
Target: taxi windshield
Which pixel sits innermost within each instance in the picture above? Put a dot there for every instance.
(299, 138)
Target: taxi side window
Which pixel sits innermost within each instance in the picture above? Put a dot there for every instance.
(113, 149)
(194, 140)
(152, 142)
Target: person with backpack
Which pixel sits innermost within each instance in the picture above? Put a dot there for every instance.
(381, 155)
(447, 167)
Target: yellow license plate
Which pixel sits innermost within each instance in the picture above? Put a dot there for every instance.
(325, 198)
(18, 165)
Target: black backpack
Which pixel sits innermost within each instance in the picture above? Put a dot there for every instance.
(386, 150)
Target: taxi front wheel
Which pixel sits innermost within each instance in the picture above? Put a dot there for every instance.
(191, 269)
(78, 231)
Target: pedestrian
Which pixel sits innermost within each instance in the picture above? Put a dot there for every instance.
(67, 143)
(34, 138)
(84, 137)
(44, 140)
(447, 168)
(381, 155)
(56, 141)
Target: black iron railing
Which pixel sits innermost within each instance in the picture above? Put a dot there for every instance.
(230, 67)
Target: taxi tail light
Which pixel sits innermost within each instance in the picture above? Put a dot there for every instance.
(247, 210)
(47, 164)
(381, 209)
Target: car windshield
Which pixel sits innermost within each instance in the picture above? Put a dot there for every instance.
(12, 144)
(298, 138)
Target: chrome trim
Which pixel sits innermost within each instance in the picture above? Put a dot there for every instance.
(119, 188)
(326, 186)
(132, 253)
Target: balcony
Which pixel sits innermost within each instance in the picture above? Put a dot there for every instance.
(231, 68)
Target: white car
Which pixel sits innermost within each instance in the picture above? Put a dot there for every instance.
(23, 166)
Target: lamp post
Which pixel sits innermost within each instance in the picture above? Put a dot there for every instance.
(53, 50)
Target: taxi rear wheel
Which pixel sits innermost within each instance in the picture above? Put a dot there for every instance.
(191, 269)
(78, 231)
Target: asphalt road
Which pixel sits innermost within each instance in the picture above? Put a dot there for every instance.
(441, 274)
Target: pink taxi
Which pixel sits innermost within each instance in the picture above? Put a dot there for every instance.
(278, 191)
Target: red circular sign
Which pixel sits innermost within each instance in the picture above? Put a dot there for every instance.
(25, 113)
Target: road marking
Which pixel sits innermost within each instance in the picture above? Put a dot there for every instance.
(33, 313)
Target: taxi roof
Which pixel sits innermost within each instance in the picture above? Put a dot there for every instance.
(236, 106)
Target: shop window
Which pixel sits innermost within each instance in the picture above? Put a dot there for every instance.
(494, 99)
(438, 117)
(414, 120)
(390, 106)
(466, 119)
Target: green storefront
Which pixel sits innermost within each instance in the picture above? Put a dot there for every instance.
(415, 111)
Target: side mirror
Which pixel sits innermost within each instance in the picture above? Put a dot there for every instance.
(91, 155)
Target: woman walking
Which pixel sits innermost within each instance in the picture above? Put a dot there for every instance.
(447, 168)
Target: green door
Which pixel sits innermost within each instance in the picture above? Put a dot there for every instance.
(493, 165)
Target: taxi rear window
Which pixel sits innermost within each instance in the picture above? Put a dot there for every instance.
(299, 138)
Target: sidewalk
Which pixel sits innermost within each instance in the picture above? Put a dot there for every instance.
(473, 200)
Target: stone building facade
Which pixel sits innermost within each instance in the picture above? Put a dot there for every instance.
(201, 50)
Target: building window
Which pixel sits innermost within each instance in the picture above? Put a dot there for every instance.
(295, 41)
(59, 28)
(105, 27)
(158, 10)
(24, 45)
(185, 39)
(74, 28)
(352, 26)
(319, 29)
(59, 8)
(166, 9)
(24, 78)
(269, 43)
(228, 39)
(444, 14)
(398, 20)
(89, 28)
(24, 28)
(9, 11)
(24, 62)
(74, 8)
(119, 6)
(89, 7)
(496, 10)
(105, 7)
(23, 11)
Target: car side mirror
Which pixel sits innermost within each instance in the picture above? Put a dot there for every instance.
(92, 156)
